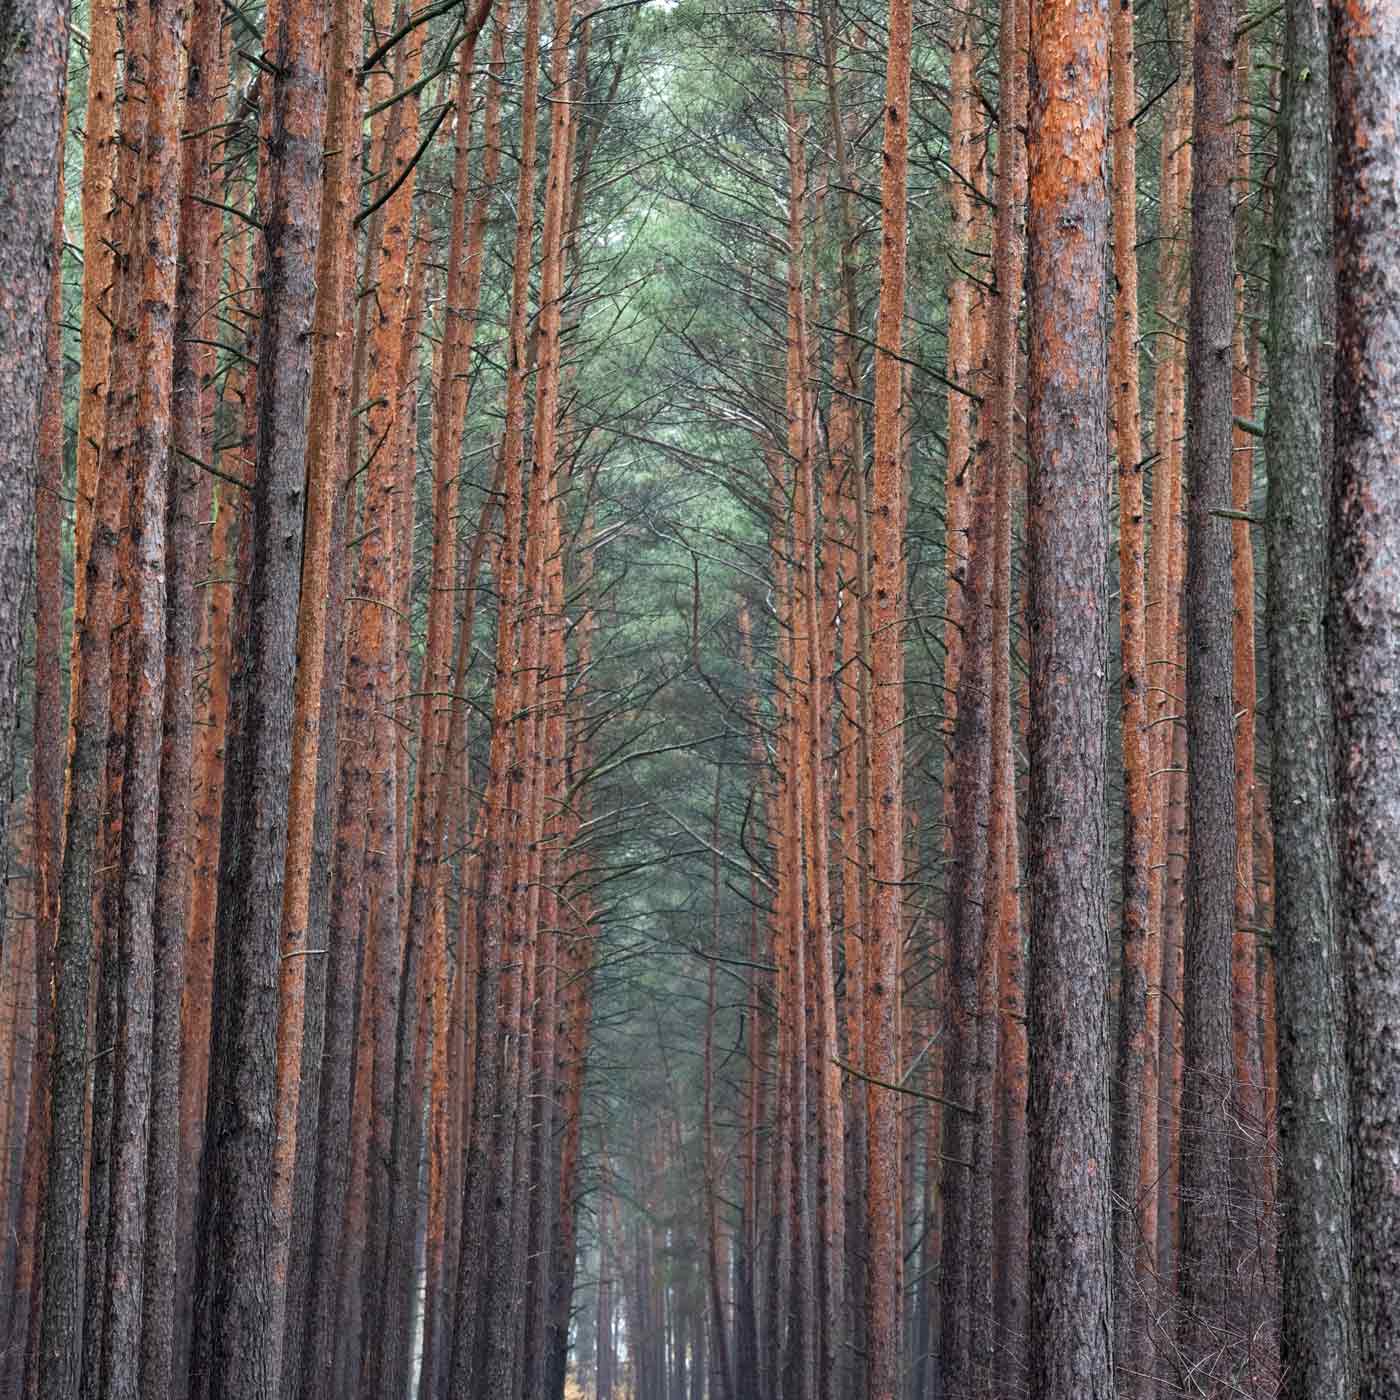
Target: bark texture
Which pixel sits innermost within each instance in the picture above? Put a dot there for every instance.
(884, 1283)
(1132, 1106)
(1211, 1234)
(238, 1248)
(155, 255)
(33, 73)
(1314, 1168)
(1366, 653)
(1067, 520)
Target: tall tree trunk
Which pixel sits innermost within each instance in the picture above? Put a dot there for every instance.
(459, 1266)
(98, 306)
(606, 1367)
(119, 449)
(343, 1337)
(1067, 517)
(157, 214)
(813, 667)
(327, 1029)
(315, 685)
(20, 962)
(1174, 735)
(95, 526)
(993, 1331)
(338, 442)
(718, 1321)
(1162, 709)
(16, 1034)
(549, 727)
(950, 1151)
(885, 933)
(1366, 651)
(1132, 1106)
(965, 1260)
(576, 1032)
(33, 78)
(1210, 1233)
(199, 949)
(845, 482)
(1251, 1165)
(106, 990)
(190, 440)
(1317, 1329)
(391, 311)
(244, 1350)
(1268, 965)
(45, 777)
(789, 534)
(436, 736)
(524, 961)
(486, 1285)
(210, 735)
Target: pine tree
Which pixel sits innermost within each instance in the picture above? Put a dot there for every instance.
(1067, 519)
(1210, 1232)
(1314, 1166)
(33, 71)
(1365, 58)
(884, 934)
(243, 1347)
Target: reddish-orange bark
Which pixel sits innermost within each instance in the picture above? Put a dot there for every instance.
(375, 639)
(1004, 1200)
(1162, 606)
(117, 444)
(211, 730)
(960, 365)
(540, 742)
(884, 934)
(439, 679)
(504, 945)
(1174, 755)
(1070, 1324)
(99, 152)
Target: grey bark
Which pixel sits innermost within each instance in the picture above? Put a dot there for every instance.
(1366, 651)
(1213, 1348)
(33, 71)
(241, 1359)
(1314, 1170)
